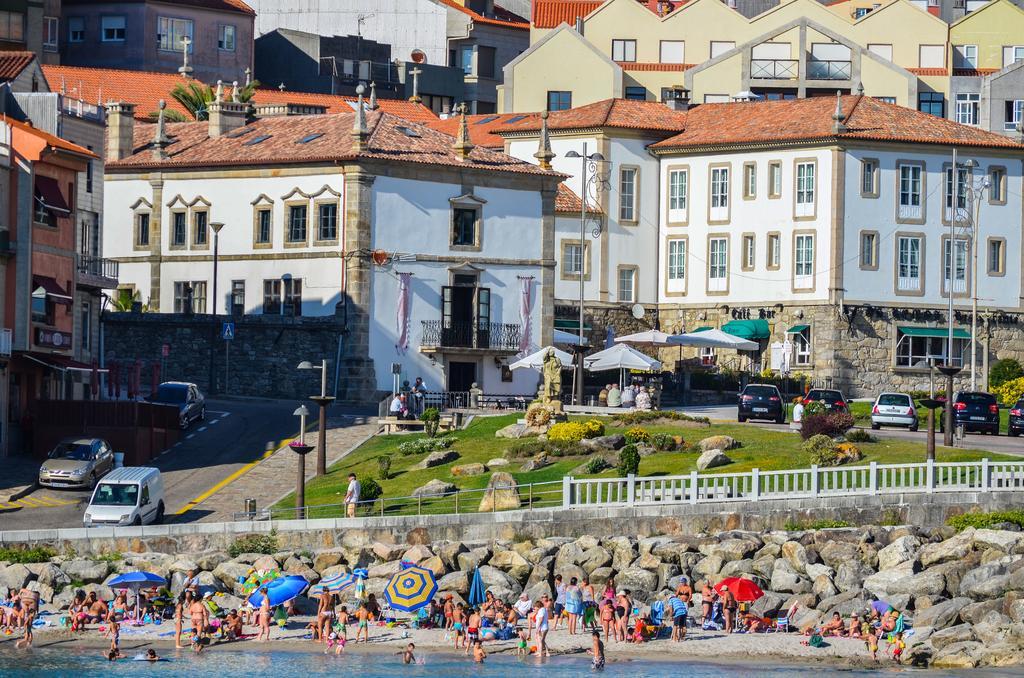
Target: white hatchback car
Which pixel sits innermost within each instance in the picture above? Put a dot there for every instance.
(894, 409)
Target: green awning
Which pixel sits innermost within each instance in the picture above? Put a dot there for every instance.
(748, 329)
(703, 328)
(936, 332)
(567, 324)
(797, 329)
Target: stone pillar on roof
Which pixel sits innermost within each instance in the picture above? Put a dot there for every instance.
(544, 153)
(160, 139)
(360, 130)
(463, 145)
(415, 73)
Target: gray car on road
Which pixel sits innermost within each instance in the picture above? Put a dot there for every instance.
(77, 462)
(894, 409)
(186, 397)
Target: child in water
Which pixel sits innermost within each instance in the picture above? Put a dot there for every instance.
(407, 655)
(478, 652)
(597, 650)
(522, 649)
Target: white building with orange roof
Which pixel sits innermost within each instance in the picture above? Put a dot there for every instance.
(437, 255)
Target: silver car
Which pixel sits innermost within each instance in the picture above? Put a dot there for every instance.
(894, 409)
(77, 462)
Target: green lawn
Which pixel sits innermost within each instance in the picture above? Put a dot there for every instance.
(762, 448)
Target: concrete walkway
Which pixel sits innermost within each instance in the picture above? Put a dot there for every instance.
(268, 479)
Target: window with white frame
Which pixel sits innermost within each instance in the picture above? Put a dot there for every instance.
(1014, 115)
(678, 181)
(676, 259)
(913, 349)
(750, 181)
(805, 189)
(774, 179)
(112, 28)
(572, 259)
(967, 106)
(748, 251)
(804, 256)
(718, 264)
(76, 29)
(623, 50)
(297, 222)
(954, 263)
(962, 179)
(908, 263)
(719, 193)
(190, 297)
(170, 31)
(910, 191)
(627, 285)
(51, 33)
(802, 346)
(1012, 54)
(774, 250)
(327, 221)
(966, 56)
(292, 297)
(627, 193)
(226, 38)
(672, 51)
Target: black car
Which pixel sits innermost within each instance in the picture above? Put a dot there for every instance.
(186, 397)
(976, 411)
(830, 398)
(1017, 419)
(761, 401)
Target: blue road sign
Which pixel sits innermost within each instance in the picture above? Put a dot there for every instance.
(228, 331)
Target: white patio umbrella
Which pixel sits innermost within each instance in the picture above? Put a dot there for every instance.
(713, 338)
(567, 338)
(535, 361)
(620, 357)
(645, 338)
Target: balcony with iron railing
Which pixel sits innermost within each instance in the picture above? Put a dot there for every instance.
(829, 70)
(774, 69)
(439, 335)
(97, 272)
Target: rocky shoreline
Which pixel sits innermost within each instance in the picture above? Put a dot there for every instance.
(963, 592)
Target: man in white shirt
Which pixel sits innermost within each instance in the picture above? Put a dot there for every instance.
(352, 495)
(396, 406)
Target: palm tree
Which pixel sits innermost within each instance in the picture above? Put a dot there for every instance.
(196, 97)
(123, 299)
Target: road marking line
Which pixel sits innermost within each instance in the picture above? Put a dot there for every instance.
(29, 502)
(225, 414)
(190, 436)
(220, 412)
(201, 429)
(212, 422)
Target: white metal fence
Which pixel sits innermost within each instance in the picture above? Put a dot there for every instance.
(813, 482)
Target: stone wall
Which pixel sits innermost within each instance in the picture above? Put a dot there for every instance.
(923, 510)
(262, 358)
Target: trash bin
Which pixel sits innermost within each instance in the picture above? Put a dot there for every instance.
(250, 508)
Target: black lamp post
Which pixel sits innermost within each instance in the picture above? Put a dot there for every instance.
(322, 400)
(950, 371)
(300, 448)
(932, 404)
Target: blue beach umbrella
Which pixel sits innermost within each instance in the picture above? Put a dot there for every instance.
(335, 584)
(410, 589)
(279, 591)
(361, 574)
(477, 593)
(135, 581)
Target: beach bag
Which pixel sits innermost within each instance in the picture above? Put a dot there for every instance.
(816, 640)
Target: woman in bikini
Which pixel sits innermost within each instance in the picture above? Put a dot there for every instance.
(729, 606)
(200, 617)
(179, 614)
(264, 617)
(325, 615)
(707, 599)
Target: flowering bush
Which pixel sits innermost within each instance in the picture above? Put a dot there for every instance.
(592, 428)
(1008, 392)
(567, 432)
(538, 415)
(637, 435)
(421, 445)
(822, 450)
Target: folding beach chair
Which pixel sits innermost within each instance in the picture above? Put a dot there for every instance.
(781, 624)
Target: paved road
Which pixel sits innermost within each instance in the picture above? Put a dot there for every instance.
(1002, 444)
(235, 434)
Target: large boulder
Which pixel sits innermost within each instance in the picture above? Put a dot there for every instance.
(435, 565)
(615, 441)
(418, 553)
(229, 573)
(385, 570)
(600, 577)
(435, 488)
(941, 615)
(594, 558)
(647, 562)
(383, 551)
(898, 552)
(262, 564)
(457, 582)
(823, 587)
(735, 568)
(880, 583)
(815, 570)
(850, 575)
(516, 431)
(975, 612)
(767, 605)
(637, 580)
(707, 566)
(718, 443)
(511, 562)
(502, 493)
(51, 575)
(711, 459)
(963, 655)
(954, 548)
(569, 554)
(732, 549)
(324, 559)
(540, 461)
(954, 634)
(470, 560)
(1002, 540)
(836, 553)
(927, 583)
(786, 579)
(796, 555)
(87, 571)
(449, 552)
(985, 582)
(474, 469)
(438, 458)
(492, 577)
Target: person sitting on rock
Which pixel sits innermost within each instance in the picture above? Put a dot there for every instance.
(833, 627)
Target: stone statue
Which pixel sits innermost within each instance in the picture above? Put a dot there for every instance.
(551, 391)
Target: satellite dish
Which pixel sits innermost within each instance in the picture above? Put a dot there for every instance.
(419, 56)
(638, 311)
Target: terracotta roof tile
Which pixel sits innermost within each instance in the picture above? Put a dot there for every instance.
(653, 66)
(974, 72)
(481, 127)
(52, 141)
(811, 119)
(221, 5)
(620, 113)
(553, 13)
(502, 17)
(279, 144)
(145, 89)
(928, 71)
(567, 202)
(13, 63)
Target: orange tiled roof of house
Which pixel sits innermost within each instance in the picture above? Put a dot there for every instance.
(13, 63)
(928, 71)
(51, 140)
(481, 127)
(305, 139)
(145, 89)
(621, 113)
(974, 72)
(502, 17)
(553, 13)
(567, 202)
(812, 119)
(222, 5)
(653, 66)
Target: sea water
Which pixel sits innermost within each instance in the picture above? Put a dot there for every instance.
(79, 663)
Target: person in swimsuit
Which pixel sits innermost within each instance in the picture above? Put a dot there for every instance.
(30, 607)
(325, 613)
(707, 599)
(729, 606)
(179, 613)
(522, 649)
(344, 618)
(623, 607)
(608, 619)
(264, 616)
(541, 620)
(407, 654)
(478, 652)
(597, 650)
(459, 626)
(233, 625)
(473, 630)
(200, 617)
(573, 604)
(120, 605)
(363, 623)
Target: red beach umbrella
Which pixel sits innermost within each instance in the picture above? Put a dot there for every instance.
(744, 589)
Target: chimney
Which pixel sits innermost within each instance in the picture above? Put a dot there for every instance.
(120, 130)
(579, 25)
(226, 116)
(160, 140)
(360, 130)
(838, 127)
(678, 99)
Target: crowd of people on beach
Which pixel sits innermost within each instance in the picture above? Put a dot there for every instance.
(610, 615)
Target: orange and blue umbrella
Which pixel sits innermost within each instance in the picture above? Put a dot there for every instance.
(410, 589)
(335, 584)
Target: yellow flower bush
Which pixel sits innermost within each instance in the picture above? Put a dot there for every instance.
(567, 432)
(1010, 391)
(637, 435)
(593, 428)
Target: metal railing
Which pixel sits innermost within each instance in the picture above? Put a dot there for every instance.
(97, 267)
(829, 70)
(441, 334)
(458, 502)
(693, 488)
(814, 482)
(81, 109)
(454, 400)
(774, 69)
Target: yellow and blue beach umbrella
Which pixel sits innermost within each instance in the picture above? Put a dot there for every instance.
(410, 589)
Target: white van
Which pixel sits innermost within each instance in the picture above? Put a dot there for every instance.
(127, 496)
